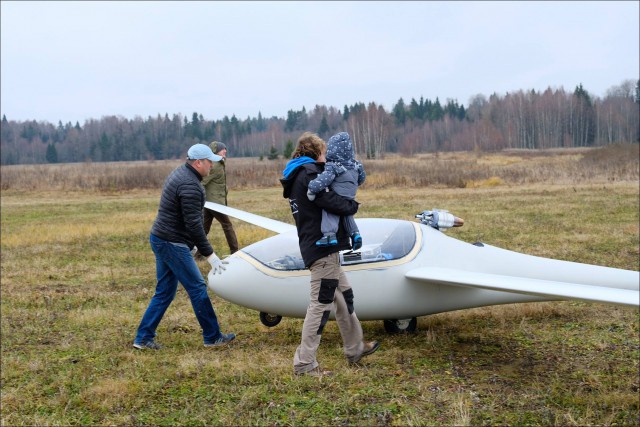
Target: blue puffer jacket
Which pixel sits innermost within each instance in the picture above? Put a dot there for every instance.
(179, 218)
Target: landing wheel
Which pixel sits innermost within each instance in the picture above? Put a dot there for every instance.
(269, 320)
(398, 326)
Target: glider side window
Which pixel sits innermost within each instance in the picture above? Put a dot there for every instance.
(401, 241)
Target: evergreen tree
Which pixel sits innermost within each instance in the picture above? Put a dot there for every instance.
(104, 147)
(292, 119)
(260, 123)
(52, 154)
(345, 114)
(195, 130)
(29, 131)
(247, 129)
(414, 109)
(358, 107)
(437, 112)
(324, 126)
(235, 126)
(462, 113)
(451, 109)
(399, 112)
(585, 119)
(273, 153)
(288, 149)
(60, 133)
(227, 131)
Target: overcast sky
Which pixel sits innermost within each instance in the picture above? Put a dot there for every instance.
(71, 61)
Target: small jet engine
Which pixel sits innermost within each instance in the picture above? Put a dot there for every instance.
(440, 219)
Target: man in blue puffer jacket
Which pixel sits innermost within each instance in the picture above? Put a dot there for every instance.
(176, 230)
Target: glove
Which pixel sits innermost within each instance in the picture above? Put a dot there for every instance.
(310, 195)
(216, 264)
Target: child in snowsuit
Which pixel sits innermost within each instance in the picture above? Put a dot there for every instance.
(343, 174)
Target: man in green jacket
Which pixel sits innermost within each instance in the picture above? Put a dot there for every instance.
(215, 186)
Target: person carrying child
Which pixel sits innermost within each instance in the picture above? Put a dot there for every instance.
(342, 174)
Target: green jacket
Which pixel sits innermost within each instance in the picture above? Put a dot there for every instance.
(215, 184)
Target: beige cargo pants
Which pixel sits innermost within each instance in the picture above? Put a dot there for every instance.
(330, 289)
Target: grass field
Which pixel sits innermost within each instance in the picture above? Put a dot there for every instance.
(77, 274)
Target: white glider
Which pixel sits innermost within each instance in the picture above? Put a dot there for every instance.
(408, 269)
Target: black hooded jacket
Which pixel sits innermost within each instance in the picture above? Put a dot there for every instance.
(308, 214)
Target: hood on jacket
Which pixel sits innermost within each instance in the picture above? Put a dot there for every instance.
(340, 149)
(290, 177)
(294, 163)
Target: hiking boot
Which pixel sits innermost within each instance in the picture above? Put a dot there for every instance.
(316, 372)
(152, 345)
(356, 241)
(369, 347)
(223, 340)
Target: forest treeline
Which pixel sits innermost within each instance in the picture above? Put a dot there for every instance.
(523, 119)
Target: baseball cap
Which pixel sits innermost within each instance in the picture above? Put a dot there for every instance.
(201, 151)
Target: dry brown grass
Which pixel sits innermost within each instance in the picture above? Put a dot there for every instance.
(444, 170)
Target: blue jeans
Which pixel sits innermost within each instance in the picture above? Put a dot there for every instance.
(174, 263)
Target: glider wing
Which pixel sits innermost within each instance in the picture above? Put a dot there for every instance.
(529, 286)
(261, 221)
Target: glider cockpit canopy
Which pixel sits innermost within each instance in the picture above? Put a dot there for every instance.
(384, 240)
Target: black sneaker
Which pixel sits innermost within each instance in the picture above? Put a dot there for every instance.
(152, 345)
(224, 339)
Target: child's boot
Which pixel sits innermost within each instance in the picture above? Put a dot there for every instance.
(328, 239)
(324, 241)
(333, 240)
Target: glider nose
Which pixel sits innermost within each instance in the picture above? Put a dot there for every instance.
(237, 282)
(218, 282)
